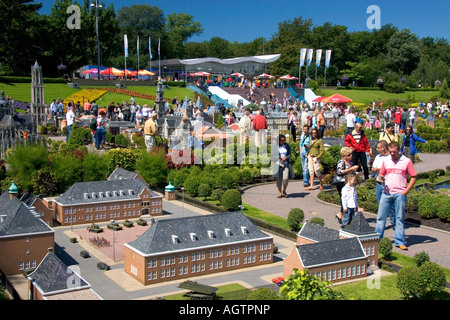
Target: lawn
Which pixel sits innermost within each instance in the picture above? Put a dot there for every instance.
(368, 96)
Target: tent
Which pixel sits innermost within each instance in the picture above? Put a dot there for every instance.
(145, 72)
(319, 99)
(288, 77)
(237, 74)
(265, 76)
(200, 74)
(337, 98)
(111, 70)
(91, 71)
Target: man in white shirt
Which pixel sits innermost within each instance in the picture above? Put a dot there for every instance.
(351, 120)
(70, 118)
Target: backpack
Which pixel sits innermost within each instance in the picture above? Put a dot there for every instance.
(93, 124)
(309, 121)
(385, 114)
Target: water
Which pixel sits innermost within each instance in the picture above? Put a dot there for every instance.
(437, 186)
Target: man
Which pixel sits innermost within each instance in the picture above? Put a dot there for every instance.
(389, 135)
(111, 111)
(259, 125)
(245, 125)
(183, 131)
(383, 154)
(70, 118)
(357, 140)
(133, 109)
(321, 122)
(53, 108)
(351, 120)
(305, 139)
(404, 119)
(87, 108)
(395, 171)
(150, 131)
(397, 120)
(94, 109)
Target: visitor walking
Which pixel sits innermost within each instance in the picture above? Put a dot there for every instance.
(292, 125)
(349, 199)
(357, 140)
(260, 126)
(245, 126)
(315, 152)
(150, 132)
(305, 139)
(321, 122)
(388, 135)
(409, 148)
(283, 168)
(70, 119)
(351, 120)
(343, 167)
(395, 171)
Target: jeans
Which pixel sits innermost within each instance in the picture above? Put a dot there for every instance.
(133, 117)
(363, 160)
(347, 217)
(348, 130)
(397, 201)
(98, 138)
(69, 130)
(305, 169)
(378, 191)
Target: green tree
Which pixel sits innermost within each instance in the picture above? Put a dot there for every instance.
(153, 167)
(403, 52)
(303, 286)
(179, 28)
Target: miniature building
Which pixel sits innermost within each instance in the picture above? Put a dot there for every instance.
(24, 238)
(98, 201)
(38, 108)
(35, 204)
(170, 192)
(180, 248)
(334, 255)
(54, 280)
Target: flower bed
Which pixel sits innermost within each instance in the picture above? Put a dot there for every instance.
(132, 93)
(84, 95)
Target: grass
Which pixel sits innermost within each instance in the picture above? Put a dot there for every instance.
(368, 96)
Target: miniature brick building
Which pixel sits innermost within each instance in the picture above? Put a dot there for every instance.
(180, 248)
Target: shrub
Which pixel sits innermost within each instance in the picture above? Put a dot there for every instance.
(394, 87)
(385, 248)
(191, 185)
(434, 278)
(409, 283)
(204, 190)
(427, 206)
(420, 258)
(263, 294)
(245, 174)
(295, 218)
(225, 180)
(217, 194)
(423, 282)
(318, 221)
(443, 207)
(231, 200)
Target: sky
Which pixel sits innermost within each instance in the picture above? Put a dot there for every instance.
(244, 21)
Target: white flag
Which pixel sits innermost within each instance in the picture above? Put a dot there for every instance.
(125, 43)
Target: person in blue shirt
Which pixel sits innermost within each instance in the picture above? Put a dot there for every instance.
(409, 148)
(305, 139)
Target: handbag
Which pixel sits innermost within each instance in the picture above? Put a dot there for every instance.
(335, 181)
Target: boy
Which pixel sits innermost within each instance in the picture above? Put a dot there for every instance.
(349, 199)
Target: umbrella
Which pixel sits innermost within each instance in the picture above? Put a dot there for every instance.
(111, 70)
(237, 74)
(200, 74)
(265, 75)
(91, 71)
(131, 73)
(319, 99)
(337, 98)
(288, 77)
(145, 72)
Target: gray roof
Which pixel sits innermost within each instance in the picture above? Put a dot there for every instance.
(103, 191)
(317, 233)
(330, 252)
(359, 226)
(17, 219)
(52, 275)
(159, 237)
(120, 174)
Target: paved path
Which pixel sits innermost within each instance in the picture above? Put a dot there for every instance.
(434, 242)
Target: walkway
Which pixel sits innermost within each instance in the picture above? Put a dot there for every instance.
(434, 242)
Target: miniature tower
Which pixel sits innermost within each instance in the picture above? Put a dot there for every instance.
(159, 99)
(13, 190)
(37, 95)
(170, 192)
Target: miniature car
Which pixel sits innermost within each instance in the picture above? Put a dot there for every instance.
(103, 266)
(278, 281)
(84, 254)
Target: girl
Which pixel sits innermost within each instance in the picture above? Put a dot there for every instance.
(349, 199)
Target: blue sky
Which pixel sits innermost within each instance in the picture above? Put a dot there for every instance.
(243, 21)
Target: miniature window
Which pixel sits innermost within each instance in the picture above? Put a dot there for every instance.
(227, 232)
(175, 239)
(211, 234)
(193, 236)
(244, 230)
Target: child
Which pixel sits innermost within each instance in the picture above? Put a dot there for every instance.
(349, 201)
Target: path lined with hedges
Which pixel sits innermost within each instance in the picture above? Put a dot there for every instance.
(434, 242)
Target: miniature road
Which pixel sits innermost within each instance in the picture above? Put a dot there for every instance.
(434, 242)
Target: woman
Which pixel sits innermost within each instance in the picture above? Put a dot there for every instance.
(100, 132)
(408, 147)
(283, 168)
(303, 150)
(139, 116)
(316, 151)
(292, 125)
(344, 166)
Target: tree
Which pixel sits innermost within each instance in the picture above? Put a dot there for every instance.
(403, 52)
(303, 286)
(153, 167)
(179, 28)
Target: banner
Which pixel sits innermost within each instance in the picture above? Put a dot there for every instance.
(150, 47)
(309, 57)
(137, 45)
(125, 43)
(327, 58)
(159, 47)
(318, 57)
(302, 56)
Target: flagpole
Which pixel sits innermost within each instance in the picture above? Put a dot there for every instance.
(159, 58)
(150, 54)
(138, 54)
(300, 69)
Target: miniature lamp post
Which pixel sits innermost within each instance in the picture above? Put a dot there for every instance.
(113, 222)
(182, 189)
